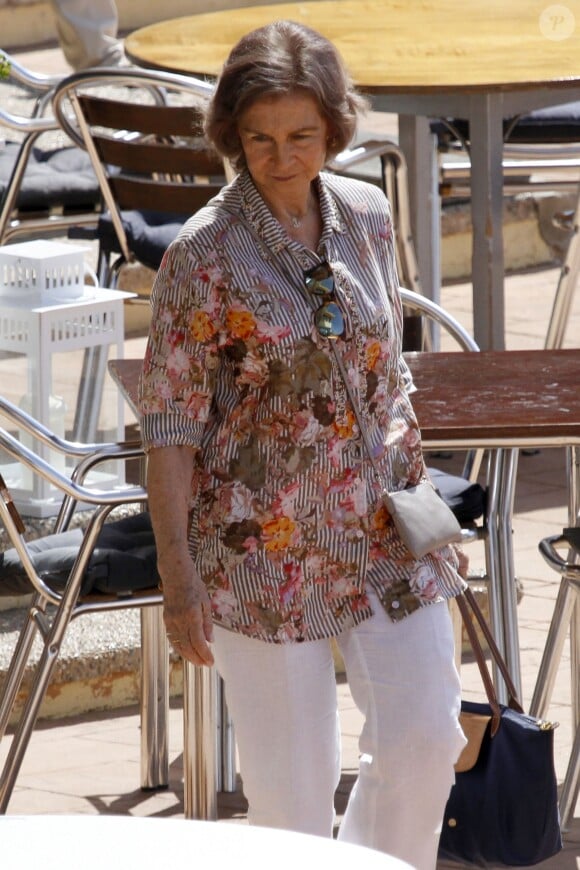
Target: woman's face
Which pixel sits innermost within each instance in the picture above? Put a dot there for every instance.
(284, 140)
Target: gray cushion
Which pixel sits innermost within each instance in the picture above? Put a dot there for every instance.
(60, 177)
(123, 561)
(149, 234)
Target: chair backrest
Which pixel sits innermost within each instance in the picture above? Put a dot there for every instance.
(427, 310)
(142, 132)
(415, 303)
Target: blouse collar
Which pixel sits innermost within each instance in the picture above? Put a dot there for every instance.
(259, 216)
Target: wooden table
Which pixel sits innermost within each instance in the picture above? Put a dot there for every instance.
(498, 400)
(484, 61)
(502, 401)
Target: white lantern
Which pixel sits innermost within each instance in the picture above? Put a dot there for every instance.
(55, 336)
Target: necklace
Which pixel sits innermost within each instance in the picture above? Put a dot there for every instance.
(296, 221)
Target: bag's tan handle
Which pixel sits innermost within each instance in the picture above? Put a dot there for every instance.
(465, 601)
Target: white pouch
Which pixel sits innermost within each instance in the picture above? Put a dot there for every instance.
(422, 518)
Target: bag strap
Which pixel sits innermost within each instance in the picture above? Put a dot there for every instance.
(467, 604)
(359, 419)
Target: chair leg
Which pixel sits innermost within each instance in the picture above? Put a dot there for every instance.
(552, 654)
(21, 738)
(575, 656)
(154, 700)
(571, 784)
(53, 638)
(500, 566)
(12, 189)
(17, 667)
(90, 394)
(566, 616)
(565, 290)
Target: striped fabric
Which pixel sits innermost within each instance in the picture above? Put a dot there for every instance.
(288, 525)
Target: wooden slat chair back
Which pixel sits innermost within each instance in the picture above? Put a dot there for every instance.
(173, 175)
(143, 133)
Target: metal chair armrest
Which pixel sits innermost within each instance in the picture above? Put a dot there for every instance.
(116, 450)
(549, 548)
(35, 81)
(46, 436)
(103, 500)
(425, 305)
(65, 92)
(364, 151)
(69, 486)
(23, 124)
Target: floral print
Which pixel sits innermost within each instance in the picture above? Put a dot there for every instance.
(287, 522)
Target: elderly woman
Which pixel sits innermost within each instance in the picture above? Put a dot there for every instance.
(272, 537)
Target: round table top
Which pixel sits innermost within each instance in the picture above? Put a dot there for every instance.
(393, 45)
(120, 842)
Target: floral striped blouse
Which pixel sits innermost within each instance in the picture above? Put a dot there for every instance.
(287, 527)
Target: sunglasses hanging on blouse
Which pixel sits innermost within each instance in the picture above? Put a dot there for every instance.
(329, 318)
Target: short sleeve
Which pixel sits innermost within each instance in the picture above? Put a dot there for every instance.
(178, 375)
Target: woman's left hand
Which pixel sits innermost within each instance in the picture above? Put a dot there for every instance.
(463, 560)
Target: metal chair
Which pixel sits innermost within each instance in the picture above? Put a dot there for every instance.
(566, 616)
(43, 190)
(415, 303)
(56, 600)
(141, 130)
(67, 599)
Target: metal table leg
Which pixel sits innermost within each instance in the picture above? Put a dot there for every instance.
(502, 587)
(493, 562)
(199, 742)
(509, 599)
(90, 394)
(154, 699)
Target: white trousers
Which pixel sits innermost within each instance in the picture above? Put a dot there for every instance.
(87, 30)
(283, 703)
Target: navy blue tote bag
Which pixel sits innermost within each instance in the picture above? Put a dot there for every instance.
(503, 808)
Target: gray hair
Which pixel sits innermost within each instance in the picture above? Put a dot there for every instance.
(276, 60)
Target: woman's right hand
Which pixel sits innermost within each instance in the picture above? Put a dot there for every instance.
(187, 615)
(186, 604)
